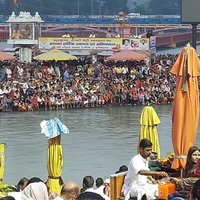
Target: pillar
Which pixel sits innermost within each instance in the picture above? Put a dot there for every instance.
(25, 54)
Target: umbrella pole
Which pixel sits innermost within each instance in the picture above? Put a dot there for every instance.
(194, 35)
(181, 173)
(2, 162)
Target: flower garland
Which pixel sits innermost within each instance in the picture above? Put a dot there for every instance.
(5, 189)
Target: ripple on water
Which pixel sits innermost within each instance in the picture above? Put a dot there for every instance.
(100, 141)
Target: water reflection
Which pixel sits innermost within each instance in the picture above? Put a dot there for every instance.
(100, 141)
(176, 50)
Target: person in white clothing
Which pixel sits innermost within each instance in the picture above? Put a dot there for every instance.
(100, 188)
(137, 180)
(69, 191)
(88, 183)
(9, 73)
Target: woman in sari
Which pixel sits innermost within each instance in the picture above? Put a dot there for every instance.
(190, 176)
(192, 158)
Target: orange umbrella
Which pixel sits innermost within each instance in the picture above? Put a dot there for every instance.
(6, 56)
(55, 54)
(185, 115)
(127, 55)
(143, 52)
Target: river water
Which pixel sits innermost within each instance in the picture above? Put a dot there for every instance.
(176, 50)
(100, 141)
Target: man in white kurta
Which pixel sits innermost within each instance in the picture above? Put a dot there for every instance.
(136, 183)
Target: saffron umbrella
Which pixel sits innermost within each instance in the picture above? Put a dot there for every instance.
(148, 127)
(127, 55)
(53, 129)
(185, 114)
(6, 56)
(55, 54)
(2, 162)
(54, 164)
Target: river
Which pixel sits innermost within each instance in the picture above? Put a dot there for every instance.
(100, 141)
(176, 50)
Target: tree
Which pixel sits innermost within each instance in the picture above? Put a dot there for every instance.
(119, 5)
(167, 7)
(92, 7)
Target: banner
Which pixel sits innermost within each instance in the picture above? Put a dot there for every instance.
(46, 43)
(152, 44)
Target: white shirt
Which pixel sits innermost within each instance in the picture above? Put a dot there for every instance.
(20, 71)
(136, 164)
(16, 195)
(58, 198)
(66, 36)
(90, 190)
(1, 93)
(100, 192)
(124, 70)
(136, 185)
(25, 85)
(100, 189)
(8, 72)
(5, 91)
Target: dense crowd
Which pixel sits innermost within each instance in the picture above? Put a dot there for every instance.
(36, 189)
(86, 82)
(141, 182)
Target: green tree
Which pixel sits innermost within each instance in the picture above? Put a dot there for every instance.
(113, 7)
(88, 7)
(167, 7)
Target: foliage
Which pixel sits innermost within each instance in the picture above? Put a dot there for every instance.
(91, 7)
(66, 7)
(167, 7)
(5, 189)
(167, 161)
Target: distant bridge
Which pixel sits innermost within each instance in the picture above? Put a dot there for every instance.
(166, 34)
(104, 19)
(167, 28)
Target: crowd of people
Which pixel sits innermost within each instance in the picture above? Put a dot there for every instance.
(96, 82)
(140, 182)
(36, 189)
(86, 82)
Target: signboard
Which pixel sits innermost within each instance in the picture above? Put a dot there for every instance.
(190, 11)
(93, 43)
(152, 44)
(23, 33)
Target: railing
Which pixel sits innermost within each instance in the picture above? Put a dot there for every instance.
(161, 30)
(105, 19)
